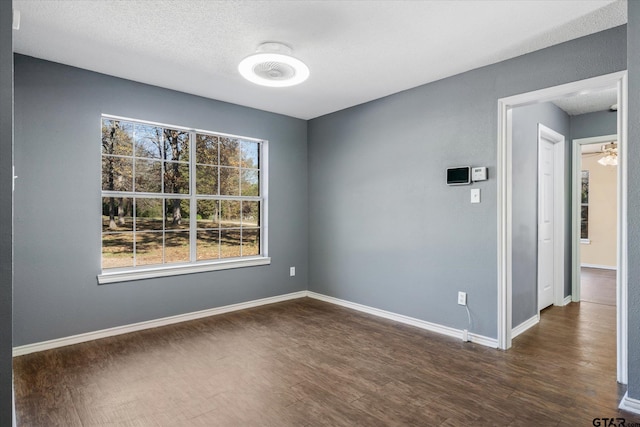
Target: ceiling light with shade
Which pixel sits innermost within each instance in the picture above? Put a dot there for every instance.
(272, 65)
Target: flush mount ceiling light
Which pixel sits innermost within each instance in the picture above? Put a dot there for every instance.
(272, 65)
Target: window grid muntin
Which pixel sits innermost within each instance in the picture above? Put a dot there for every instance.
(191, 195)
(219, 229)
(219, 166)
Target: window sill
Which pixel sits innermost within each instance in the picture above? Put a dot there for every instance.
(176, 270)
(585, 241)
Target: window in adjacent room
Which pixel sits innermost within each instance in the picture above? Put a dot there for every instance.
(584, 207)
(175, 197)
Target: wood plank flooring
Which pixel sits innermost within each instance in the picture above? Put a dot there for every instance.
(598, 285)
(310, 363)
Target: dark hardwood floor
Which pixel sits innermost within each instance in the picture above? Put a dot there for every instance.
(310, 363)
(598, 285)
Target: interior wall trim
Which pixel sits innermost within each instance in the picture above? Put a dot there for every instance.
(125, 329)
(602, 267)
(400, 318)
(529, 323)
(629, 404)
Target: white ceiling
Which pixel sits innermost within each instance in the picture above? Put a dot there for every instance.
(582, 103)
(357, 50)
(594, 148)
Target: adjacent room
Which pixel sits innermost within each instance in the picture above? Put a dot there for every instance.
(301, 213)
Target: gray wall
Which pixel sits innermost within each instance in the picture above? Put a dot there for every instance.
(57, 203)
(525, 203)
(385, 229)
(633, 158)
(6, 160)
(599, 123)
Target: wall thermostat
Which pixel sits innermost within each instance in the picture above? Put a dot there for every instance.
(479, 174)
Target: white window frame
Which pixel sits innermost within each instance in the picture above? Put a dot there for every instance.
(114, 275)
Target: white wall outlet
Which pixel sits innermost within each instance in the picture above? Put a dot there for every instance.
(292, 271)
(475, 195)
(462, 298)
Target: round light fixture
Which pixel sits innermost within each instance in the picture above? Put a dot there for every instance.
(272, 65)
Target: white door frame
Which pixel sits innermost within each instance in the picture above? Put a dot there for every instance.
(558, 210)
(575, 208)
(504, 198)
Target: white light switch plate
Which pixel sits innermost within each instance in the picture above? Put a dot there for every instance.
(475, 195)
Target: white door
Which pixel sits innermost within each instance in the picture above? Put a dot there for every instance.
(546, 222)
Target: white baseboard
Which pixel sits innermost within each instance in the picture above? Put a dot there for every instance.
(525, 325)
(629, 404)
(566, 300)
(603, 267)
(119, 330)
(422, 324)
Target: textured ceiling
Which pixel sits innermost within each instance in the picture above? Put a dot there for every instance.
(588, 102)
(357, 50)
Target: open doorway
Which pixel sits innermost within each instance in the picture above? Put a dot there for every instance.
(595, 215)
(511, 246)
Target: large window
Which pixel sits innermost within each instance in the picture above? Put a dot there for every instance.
(174, 199)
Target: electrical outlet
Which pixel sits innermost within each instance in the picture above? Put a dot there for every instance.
(292, 271)
(462, 298)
